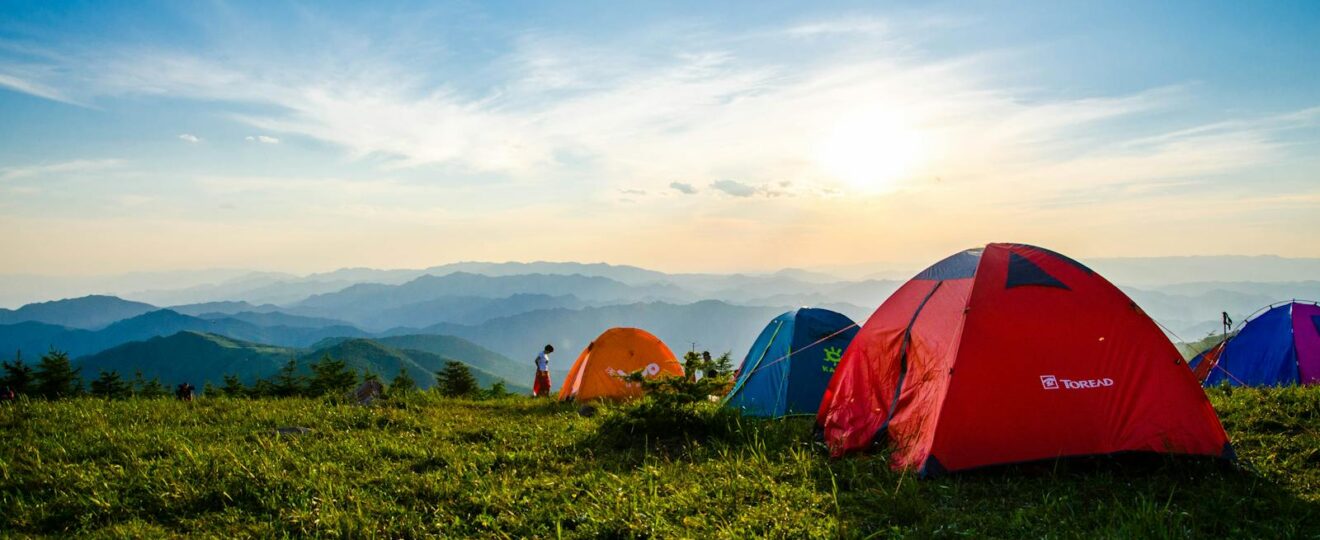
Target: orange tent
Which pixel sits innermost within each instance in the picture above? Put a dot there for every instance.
(598, 372)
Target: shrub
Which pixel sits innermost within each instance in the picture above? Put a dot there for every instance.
(675, 410)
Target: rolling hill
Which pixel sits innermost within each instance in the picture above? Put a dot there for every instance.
(366, 355)
(189, 357)
(198, 358)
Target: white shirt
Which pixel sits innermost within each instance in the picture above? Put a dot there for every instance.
(543, 362)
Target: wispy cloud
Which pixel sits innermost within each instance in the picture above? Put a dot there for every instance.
(734, 188)
(27, 86)
(684, 188)
(855, 25)
(692, 108)
(189, 138)
(77, 166)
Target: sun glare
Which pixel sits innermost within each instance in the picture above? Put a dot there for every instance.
(871, 151)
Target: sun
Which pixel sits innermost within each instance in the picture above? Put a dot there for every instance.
(871, 151)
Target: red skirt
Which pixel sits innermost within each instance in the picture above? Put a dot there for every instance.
(541, 386)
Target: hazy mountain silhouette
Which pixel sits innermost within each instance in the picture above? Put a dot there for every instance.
(88, 312)
(38, 339)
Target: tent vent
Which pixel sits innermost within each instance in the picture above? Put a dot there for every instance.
(1022, 272)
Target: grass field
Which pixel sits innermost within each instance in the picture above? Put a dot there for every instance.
(523, 468)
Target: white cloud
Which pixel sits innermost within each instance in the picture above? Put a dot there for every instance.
(189, 138)
(684, 107)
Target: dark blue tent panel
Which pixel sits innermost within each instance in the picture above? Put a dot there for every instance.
(957, 266)
(790, 364)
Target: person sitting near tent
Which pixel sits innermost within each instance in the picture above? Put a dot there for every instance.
(541, 384)
(710, 366)
(184, 392)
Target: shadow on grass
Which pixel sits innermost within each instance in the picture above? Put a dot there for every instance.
(1133, 495)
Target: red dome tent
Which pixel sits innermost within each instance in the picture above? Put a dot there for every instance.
(1008, 354)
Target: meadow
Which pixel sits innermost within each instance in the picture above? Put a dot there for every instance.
(424, 465)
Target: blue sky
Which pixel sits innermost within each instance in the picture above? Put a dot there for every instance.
(745, 136)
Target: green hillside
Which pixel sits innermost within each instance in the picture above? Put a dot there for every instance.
(199, 358)
(386, 361)
(463, 350)
(189, 357)
(523, 468)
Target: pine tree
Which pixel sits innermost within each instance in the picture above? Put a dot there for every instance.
(139, 381)
(233, 387)
(208, 390)
(331, 377)
(55, 376)
(262, 388)
(724, 364)
(288, 382)
(456, 380)
(110, 386)
(152, 389)
(403, 383)
(18, 375)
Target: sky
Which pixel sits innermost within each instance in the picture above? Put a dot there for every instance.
(680, 136)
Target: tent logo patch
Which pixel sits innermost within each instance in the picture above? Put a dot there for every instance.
(832, 357)
(1050, 382)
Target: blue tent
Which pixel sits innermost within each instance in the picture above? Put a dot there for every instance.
(1279, 347)
(791, 362)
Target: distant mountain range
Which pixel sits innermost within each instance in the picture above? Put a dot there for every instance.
(513, 309)
(712, 325)
(36, 337)
(455, 297)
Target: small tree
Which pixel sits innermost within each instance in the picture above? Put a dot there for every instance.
(152, 389)
(110, 386)
(331, 377)
(149, 389)
(208, 390)
(403, 383)
(233, 387)
(18, 375)
(724, 364)
(456, 380)
(497, 390)
(55, 376)
(139, 381)
(262, 388)
(288, 382)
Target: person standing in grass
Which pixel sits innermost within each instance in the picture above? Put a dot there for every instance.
(541, 385)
